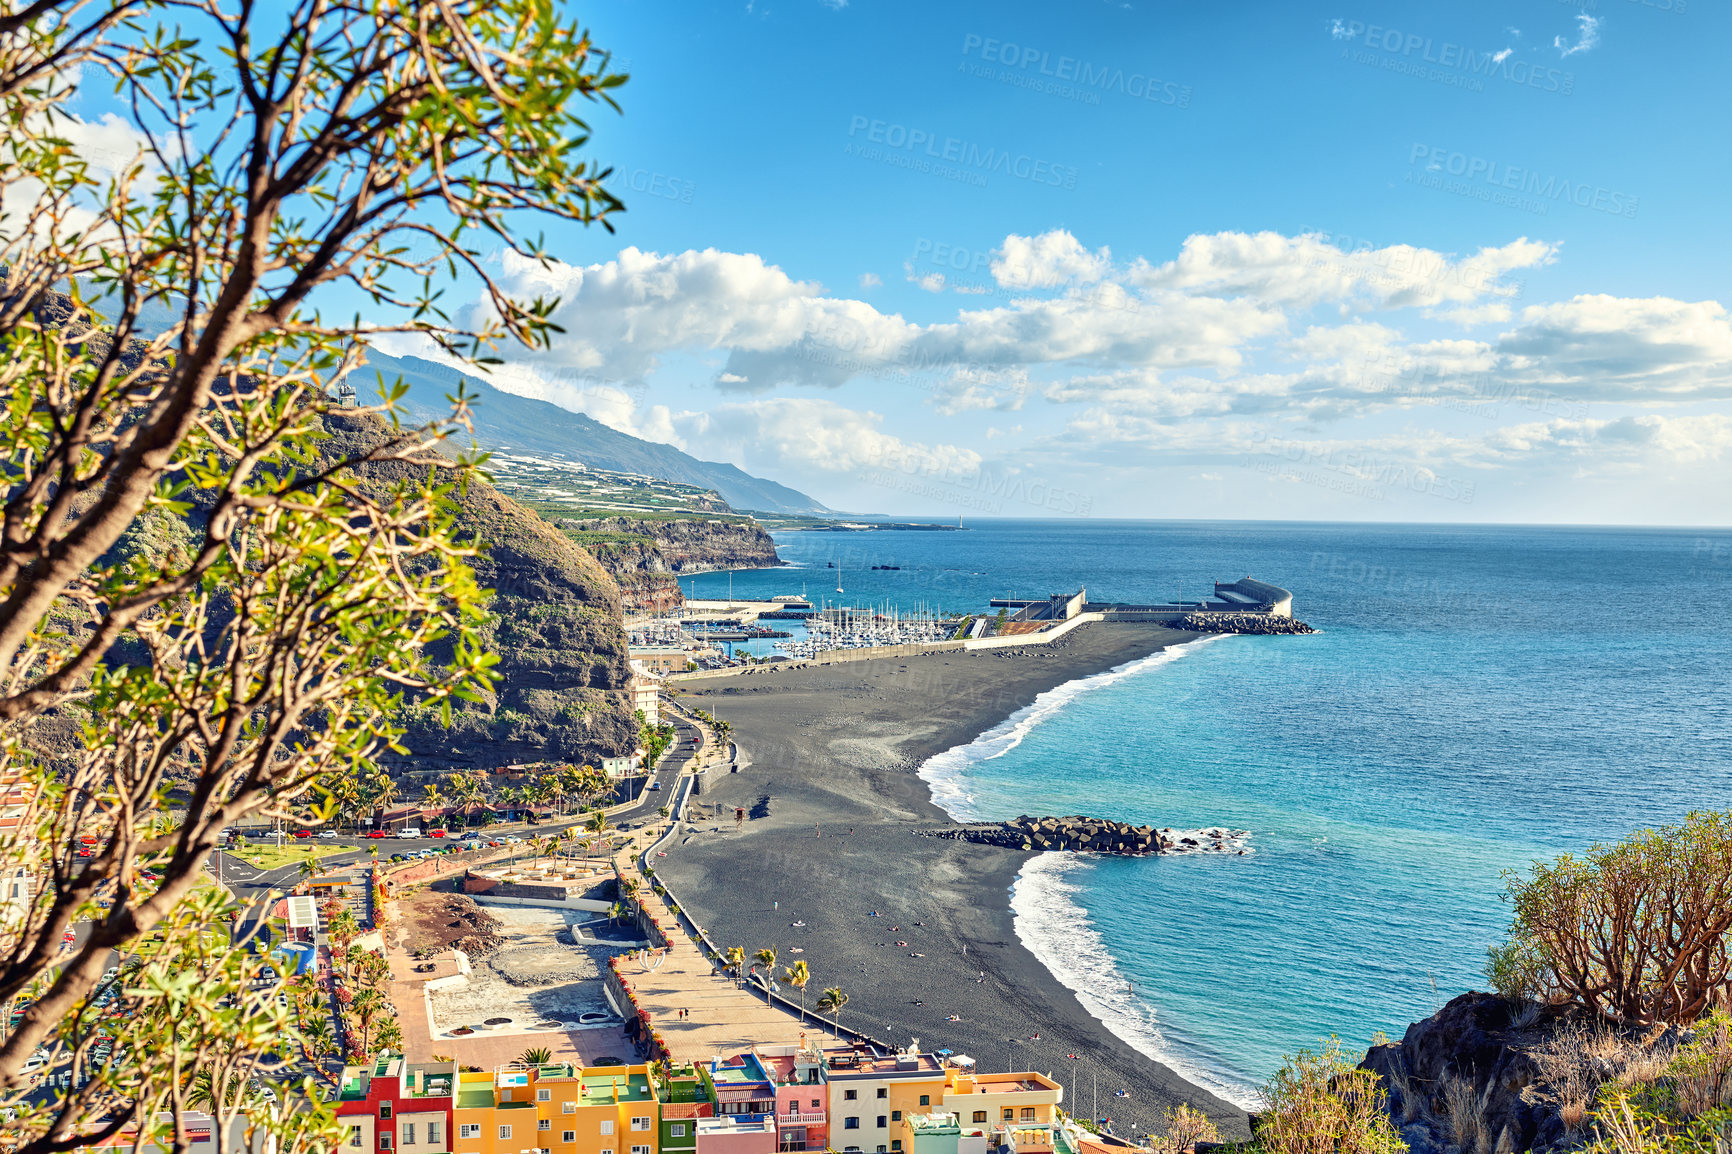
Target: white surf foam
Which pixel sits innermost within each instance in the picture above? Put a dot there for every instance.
(946, 773)
(1057, 931)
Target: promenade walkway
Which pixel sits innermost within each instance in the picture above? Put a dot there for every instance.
(721, 1017)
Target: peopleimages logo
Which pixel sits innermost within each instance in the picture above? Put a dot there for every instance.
(924, 151)
(1439, 162)
(1070, 77)
(1452, 59)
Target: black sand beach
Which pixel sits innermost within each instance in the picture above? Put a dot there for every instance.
(831, 798)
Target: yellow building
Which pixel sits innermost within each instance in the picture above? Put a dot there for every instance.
(562, 1109)
(1021, 1108)
(878, 1100)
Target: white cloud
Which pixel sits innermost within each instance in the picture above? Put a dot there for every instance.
(812, 435)
(1502, 54)
(1653, 348)
(1589, 38)
(977, 390)
(1305, 270)
(932, 282)
(1050, 260)
(869, 280)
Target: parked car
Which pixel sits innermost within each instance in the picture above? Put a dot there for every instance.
(408, 831)
(472, 844)
(512, 838)
(399, 857)
(435, 833)
(378, 833)
(327, 833)
(303, 833)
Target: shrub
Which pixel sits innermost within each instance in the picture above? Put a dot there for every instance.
(1322, 1104)
(1669, 1101)
(1185, 1128)
(1637, 932)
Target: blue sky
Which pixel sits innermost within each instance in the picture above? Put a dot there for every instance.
(1414, 262)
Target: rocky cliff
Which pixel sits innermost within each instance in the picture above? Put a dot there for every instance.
(557, 628)
(1487, 1075)
(559, 634)
(646, 557)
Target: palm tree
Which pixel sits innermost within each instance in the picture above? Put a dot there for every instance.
(597, 824)
(346, 792)
(537, 1056)
(318, 1039)
(368, 1004)
(831, 1001)
(736, 959)
(390, 1039)
(766, 957)
(797, 976)
(385, 792)
(553, 789)
(431, 798)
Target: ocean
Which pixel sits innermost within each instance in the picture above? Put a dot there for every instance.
(1477, 698)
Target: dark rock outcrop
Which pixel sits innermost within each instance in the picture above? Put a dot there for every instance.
(646, 557)
(1479, 1068)
(1097, 835)
(1258, 623)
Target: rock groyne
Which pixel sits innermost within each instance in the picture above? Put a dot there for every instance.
(1093, 835)
(1259, 623)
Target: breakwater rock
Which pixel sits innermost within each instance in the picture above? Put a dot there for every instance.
(1262, 623)
(1093, 835)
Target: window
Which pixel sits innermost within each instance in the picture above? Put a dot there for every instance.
(850, 1095)
(433, 1133)
(355, 1137)
(816, 1104)
(847, 1124)
(408, 1133)
(607, 1125)
(883, 1121)
(544, 1123)
(677, 1130)
(384, 1109)
(880, 1148)
(883, 1092)
(895, 1143)
(896, 1115)
(640, 1150)
(1009, 1113)
(504, 1132)
(542, 1095)
(926, 1099)
(568, 1107)
(1028, 1113)
(980, 1115)
(568, 1135)
(469, 1129)
(385, 1140)
(640, 1123)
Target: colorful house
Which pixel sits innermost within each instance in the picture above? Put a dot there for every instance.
(798, 1075)
(684, 1099)
(390, 1104)
(872, 1090)
(562, 1109)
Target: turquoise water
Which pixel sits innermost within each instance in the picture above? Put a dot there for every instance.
(1478, 697)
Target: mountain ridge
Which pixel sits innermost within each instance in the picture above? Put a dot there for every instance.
(506, 420)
